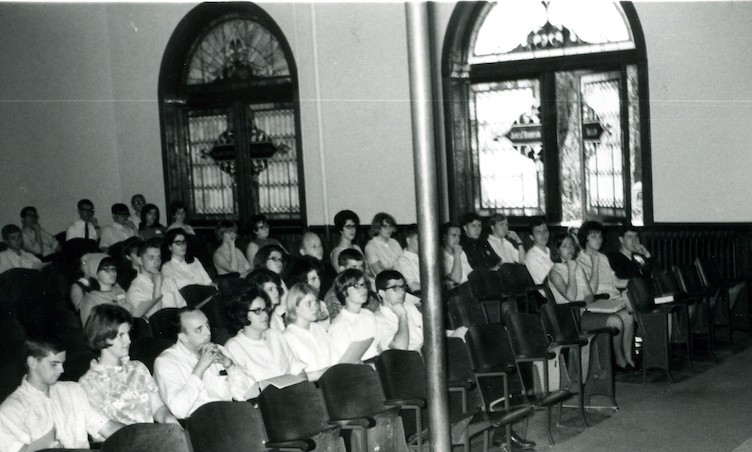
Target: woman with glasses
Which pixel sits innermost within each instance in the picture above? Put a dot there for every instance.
(259, 351)
(267, 281)
(104, 269)
(353, 323)
(121, 388)
(346, 222)
(305, 335)
(180, 268)
(382, 251)
(260, 229)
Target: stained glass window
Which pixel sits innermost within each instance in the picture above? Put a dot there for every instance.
(237, 50)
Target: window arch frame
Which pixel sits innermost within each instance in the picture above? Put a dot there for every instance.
(458, 74)
(176, 96)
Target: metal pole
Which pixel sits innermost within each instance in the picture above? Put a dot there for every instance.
(421, 104)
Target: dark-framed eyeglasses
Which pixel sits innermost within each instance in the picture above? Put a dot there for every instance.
(402, 288)
(360, 285)
(179, 242)
(259, 311)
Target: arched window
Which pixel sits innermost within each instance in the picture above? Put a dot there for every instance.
(547, 111)
(230, 116)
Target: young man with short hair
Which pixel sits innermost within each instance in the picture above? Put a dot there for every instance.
(36, 240)
(119, 230)
(479, 252)
(400, 325)
(456, 266)
(86, 226)
(409, 263)
(137, 202)
(15, 256)
(147, 293)
(538, 260)
(195, 371)
(45, 413)
(505, 242)
(632, 259)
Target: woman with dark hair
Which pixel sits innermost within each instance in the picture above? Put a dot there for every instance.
(307, 270)
(178, 214)
(353, 323)
(382, 251)
(260, 229)
(122, 389)
(150, 226)
(305, 335)
(104, 270)
(267, 281)
(180, 268)
(259, 351)
(346, 222)
(569, 283)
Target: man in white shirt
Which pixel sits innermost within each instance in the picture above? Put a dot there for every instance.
(456, 265)
(44, 413)
(400, 325)
(120, 229)
(507, 244)
(408, 263)
(538, 260)
(36, 240)
(86, 226)
(14, 256)
(195, 371)
(146, 294)
(137, 202)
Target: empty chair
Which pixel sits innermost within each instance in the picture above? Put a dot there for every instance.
(226, 427)
(352, 393)
(520, 285)
(402, 374)
(666, 283)
(295, 417)
(652, 321)
(465, 311)
(148, 438)
(718, 312)
(732, 292)
(488, 288)
(530, 345)
(164, 324)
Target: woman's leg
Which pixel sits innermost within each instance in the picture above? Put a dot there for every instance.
(592, 320)
(628, 321)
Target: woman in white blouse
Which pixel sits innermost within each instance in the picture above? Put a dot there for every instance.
(259, 351)
(180, 268)
(382, 251)
(306, 337)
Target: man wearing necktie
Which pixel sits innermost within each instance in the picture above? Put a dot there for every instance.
(86, 225)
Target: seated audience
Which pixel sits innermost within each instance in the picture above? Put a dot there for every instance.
(150, 226)
(259, 351)
(196, 371)
(86, 226)
(382, 251)
(399, 325)
(180, 267)
(307, 339)
(346, 222)
(349, 258)
(456, 266)
(506, 243)
(538, 259)
(104, 270)
(479, 253)
(122, 389)
(409, 264)
(260, 229)
(268, 281)
(353, 323)
(307, 270)
(228, 258)
(601, 278)
(569, 282)
(36, 240)
(148, 293)
(137, 203)
(632, 259)
(15, 256)
(45, 413)
(178, 215)
(119, 230)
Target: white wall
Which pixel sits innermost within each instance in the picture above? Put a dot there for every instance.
(79, 114)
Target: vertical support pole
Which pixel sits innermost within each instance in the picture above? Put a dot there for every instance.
(421, 104)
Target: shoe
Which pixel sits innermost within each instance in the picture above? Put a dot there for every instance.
(499, 439)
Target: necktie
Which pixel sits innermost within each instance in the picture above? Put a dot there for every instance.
(86, 229)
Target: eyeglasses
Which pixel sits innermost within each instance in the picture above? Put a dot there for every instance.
(259, 311)
(358, 285)
(402, 288)
(179, 242)
(275, 259)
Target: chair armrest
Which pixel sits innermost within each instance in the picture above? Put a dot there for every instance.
(304, 445)
(360, 422)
